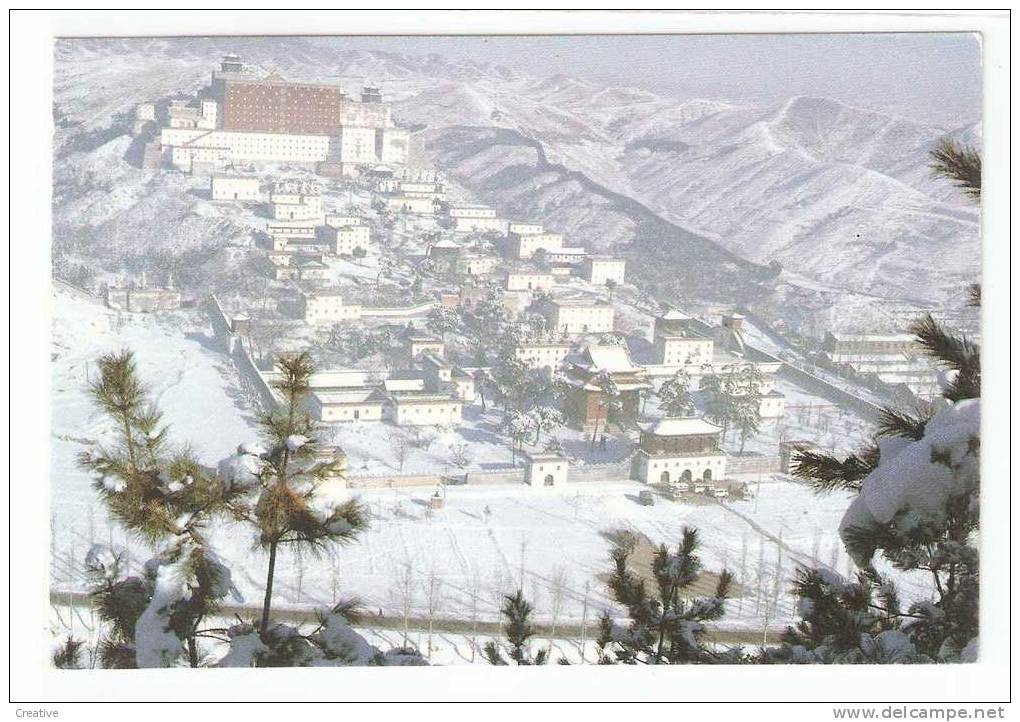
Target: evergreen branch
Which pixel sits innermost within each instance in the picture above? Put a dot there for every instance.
(901, 424)
(827, 473)
(959, 164)
(955, 352)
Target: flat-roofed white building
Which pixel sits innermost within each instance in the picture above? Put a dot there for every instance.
(343, 240)
(566, 256)
(411, 408)
(423, 189)
(682, 341)
(288, 229)
(327, 307)
(357, 144)
(471, 265)
(576, 316)
(682, 451)
(524, 228)
(347, 405)
(234, 188)
(187, 145)
(683, 350)
(418, 344)
(521, 280)
(296, 201)
(546, 470)
(463, 385)
(475, 218)
(524, 246)
(338, 220)
(599, 270)
(302, 268)
(539, 354)
(412, 205)
(772, 405)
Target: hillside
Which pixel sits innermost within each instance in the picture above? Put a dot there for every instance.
(840, 195)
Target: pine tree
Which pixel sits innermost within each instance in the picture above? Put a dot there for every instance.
(68, 654)
(332, 642)
(925, 519)
(609, 400)
(845, 622)
(746, 402)
(442, 321)
(719, 402)
(545, 418)
(666, 627)
(959, 164)
(516, 612)
(161, 494)
(518, 426)
(675, 395)
(288, 511)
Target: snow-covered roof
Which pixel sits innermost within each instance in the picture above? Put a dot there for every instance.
(876, 337)
(613, 359)
(446, 243)
(546, 457)
(568, 251)
(579, 303)
(424, 398)
(674, 315)
(338, 398)
(407, 384)
(430, 357)
(673, 426)
(543, 344)
(526, 272)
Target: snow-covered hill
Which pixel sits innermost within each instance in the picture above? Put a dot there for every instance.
(840, 195)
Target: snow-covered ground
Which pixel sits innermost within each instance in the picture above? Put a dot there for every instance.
(484, 542)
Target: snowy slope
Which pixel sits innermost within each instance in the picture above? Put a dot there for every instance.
(840, 194)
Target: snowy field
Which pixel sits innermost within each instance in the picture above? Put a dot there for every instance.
(487, 539)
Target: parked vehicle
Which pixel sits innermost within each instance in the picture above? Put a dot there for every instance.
(646, 498)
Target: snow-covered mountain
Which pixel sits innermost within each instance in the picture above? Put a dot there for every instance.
(840, 196)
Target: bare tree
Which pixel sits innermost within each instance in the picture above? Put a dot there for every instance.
(401, 448)
(403, 594)
(558, 585)
(474, 590)
(433, 600)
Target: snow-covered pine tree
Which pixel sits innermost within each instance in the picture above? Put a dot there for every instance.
(675, 395)
(332, 642)
(666, 625)
(288, 511)
(545, 418)
(845, 621)
(916, 502)
(69, 654)
(518, 426)
(958, 163)
(746, 402)
(442, 321)
(609, 399)
(516, 612)
(719, 401)
(161, 494)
